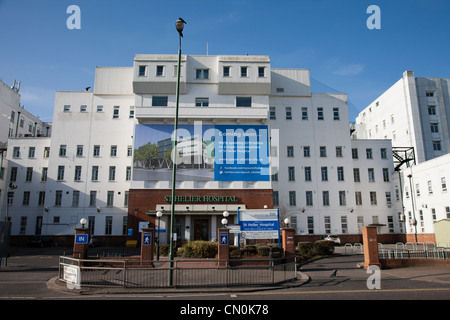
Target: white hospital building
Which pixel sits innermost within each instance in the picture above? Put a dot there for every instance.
(106, 158)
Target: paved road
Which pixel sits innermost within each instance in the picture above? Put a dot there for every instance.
(29, 271)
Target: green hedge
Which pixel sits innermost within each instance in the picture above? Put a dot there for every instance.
(318, 248)
(198, 249)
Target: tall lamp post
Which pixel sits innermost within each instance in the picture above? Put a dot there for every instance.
(180, 26)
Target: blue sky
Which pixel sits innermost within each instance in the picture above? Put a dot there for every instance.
(329, 37)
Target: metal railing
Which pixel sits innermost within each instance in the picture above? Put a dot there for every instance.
(412, 250)
(186, 273)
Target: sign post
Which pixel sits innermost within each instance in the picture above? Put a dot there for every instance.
(80, 246)
(259, 224)
(223, 250)
(147, 243)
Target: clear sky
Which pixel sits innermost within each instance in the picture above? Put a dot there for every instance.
(329, 37)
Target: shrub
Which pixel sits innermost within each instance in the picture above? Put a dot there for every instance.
(263, 251)
(305, 248)
(198, 249)
(323, 247)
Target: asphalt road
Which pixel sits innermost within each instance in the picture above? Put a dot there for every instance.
(27, 275)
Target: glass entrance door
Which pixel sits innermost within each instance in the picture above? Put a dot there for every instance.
(201, 229)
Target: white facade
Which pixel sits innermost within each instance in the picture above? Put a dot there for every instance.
(414, 112)
(314, 161)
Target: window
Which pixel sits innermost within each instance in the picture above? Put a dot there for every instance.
(75, 198)
(83, 108)
(16, 152)
(201, 102)
(142, 71)
(244, 72)
(443, 184)
(112, 173)
(66, 108)
(385, 174)
(243, 101)
(62, 150)
(23, 225)
(29, 174)
(369, 153)
(46, 152)
(320, 114)
(58, 197)
(429, 94)
(326, 198)
(79, 150)
(31, 152)
(358, 198)
(13, 176)
(290, 151)
(344, 224)
(306, 152)
(92, 198)
(383, 153)
(327, 223)
(272, 113)
(129, 151)
(291, 173)
(339, 152)
(356, 177)
(60, 175)
(226, 71)
(202, 74)
(128, 174)
(447, 212)
(304, 113)
(276, 200)
(26, 198)
(323, 151)
(116, 112)
(110, 199)
(371, 173)
(96, 151)
(159, 71)
(77, 175)
(373, 197)
(437, 145)
(275, 175)
(434, 127)
(131, 115)
(388, 198)
(355, 153)
(340, 173)
(307, 173)
(288, 113)
(44, 174)
(324, 173)
(417, 189)
(310, 225)
(292, 198)
(108, 225)
(309, 198)
(41, 199)
(261, 72)
(432, 110)
(335, 113)
(159, 101)
(99, 108)
(94, 176)
(430, 187)
(113, 152)
(125, 198)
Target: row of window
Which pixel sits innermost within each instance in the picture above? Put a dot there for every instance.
(26, 199)
(339, 152)
(201, 74)
(304, 113)
(162, 101)
(443, 184)
(91, 224)
(326, 198)
(340, 174)
(79, 151)
(116, 110)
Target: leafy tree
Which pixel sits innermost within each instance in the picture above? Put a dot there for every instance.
(146, 153)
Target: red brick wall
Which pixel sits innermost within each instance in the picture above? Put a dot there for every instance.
(147, 199)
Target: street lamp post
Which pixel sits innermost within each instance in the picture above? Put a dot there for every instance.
(179, 26)
(159, 215)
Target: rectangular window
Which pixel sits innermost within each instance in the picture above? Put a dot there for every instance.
(94, 176)
(41, 199)
(66, 108)
(226, 71)
(344, 225)
(16, 152)
(110, 199)
(75, 198)
(307, 173)
(26, 198)
(340, 173)
(142, 71)
(261, 72)
(160, 101)
(31, 152)
(326, 198)
(310, 225)
(83, 108)
(385, 174)
(272, 113)
(324, 173)
(327, 223)
(77, 175)
(13, 175)
(23, 225)
(202, 102)
(159, 71)
(243, 101)
(323, 151)
(373, 197)
(202, 74)
(29, 174)
(79, 150)
(342, 200)
(356, 177)
(96, 151)
(320, 114)
(336, 114)
(339, 152)
(443, 184)
(60, 175)
(432, 110)
(388, 198)
(275, 198)
(62, 150)
(92, 198)
(99, 108)
(128, 174)
(369, 153)
(44, 174)
(131, 115)
(358, 198)
(306, 151)
(108, 225)
(292, 198)
(116, 112)
(291, 173)
(58, 197)
(371, 173)
(383, 153)
(437, 145)
(434, 127)
(309, 198)
(113, 152)
(304, 113)
(112, 173)
(244, 72)
(290, 151)
(288, 113)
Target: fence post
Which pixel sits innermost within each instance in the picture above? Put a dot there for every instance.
(223, 250)
(370, 247)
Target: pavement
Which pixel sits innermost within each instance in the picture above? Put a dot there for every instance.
(344, 266)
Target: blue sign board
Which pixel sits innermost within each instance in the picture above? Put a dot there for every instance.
(81, 238)
(224, 238)
(147, 238)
